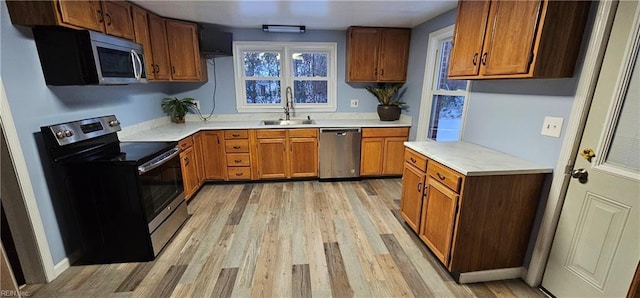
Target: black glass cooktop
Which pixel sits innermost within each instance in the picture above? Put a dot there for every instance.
(130, 152)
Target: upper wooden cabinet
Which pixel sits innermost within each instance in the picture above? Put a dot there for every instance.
(142, 36)
(184, 50)
(111, 17)
(159, 49)
(377, 54)
(517, 39)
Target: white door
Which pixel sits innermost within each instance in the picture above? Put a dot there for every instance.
(597, 244)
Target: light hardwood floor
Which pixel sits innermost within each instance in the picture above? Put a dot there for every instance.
(285, 239)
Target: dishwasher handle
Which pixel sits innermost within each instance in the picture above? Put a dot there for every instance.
(339, 131)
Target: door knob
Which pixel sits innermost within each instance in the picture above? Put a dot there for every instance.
(581, 174)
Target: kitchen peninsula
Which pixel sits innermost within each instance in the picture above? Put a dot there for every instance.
(472, 206)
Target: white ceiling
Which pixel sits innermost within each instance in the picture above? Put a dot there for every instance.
(327, 14)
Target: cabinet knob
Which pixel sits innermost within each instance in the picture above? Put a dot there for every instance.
(186, 161)
(484, 58)
(108, 18)
(420, 187)
(475, 59)
(101, 17)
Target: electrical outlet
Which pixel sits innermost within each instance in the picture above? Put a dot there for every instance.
(552, 126)
(354, 103)
(197, 102)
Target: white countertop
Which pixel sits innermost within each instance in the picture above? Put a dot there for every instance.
(474, 160)
(176, 132)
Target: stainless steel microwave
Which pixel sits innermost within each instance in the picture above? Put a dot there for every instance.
(83, 57)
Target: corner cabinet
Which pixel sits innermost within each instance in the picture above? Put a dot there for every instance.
(184, 51)
(517, 39)
(377, 54)
(471, 223)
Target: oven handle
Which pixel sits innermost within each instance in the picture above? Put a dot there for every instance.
(158, 161)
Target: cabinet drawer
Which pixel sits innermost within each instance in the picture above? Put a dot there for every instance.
(271, 133)
(385, 132)
(236, 134)
(446, 176)
(416, 159)
(185, 143)
(236, 146)
(303, 133)
(239, 173)
(238, 160)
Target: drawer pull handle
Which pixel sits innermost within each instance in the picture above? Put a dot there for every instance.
(475, 59)
(420, 187)
(239, 174)
(413, 160)
(236, 147)
(235, 135)
(441, 176)
(237, 160)
(186, 161)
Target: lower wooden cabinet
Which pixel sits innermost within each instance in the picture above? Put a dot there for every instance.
(285, 153)
(189, 172)
(471, 223)
(382, 151)
(438, 216)
(213, 155)
(199, 158)
(237, 148)
(413, 185)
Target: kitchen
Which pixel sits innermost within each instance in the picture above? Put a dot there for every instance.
(524, 103)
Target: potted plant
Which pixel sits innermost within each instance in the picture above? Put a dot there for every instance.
(177, 108)
(389, 96)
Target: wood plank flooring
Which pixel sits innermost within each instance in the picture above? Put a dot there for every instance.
(285, 239)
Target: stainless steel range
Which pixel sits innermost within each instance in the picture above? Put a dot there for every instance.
(128, 198)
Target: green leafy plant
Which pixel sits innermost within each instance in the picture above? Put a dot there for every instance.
(388, 94)
(177, 108)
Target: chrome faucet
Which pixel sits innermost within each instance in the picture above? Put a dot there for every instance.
(289, 103)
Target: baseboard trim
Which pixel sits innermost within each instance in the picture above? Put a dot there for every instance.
(490, 275)
(65, 263)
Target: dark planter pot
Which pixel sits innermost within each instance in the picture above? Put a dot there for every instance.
(388, 113)
(176, 119)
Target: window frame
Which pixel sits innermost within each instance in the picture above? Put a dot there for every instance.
(286, 49)
(430, 84)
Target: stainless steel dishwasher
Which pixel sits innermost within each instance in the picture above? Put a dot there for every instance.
(339, 152)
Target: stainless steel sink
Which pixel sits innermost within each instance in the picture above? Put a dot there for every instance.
(288, 122)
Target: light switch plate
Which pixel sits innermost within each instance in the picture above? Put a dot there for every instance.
(354, 103)
(552, 126)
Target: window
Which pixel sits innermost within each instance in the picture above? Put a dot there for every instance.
(443, 99)
(265, 70)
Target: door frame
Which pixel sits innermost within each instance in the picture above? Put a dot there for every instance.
(42, 264)
(587, 81)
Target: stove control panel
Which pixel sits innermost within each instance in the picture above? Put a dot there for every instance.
(76, 131)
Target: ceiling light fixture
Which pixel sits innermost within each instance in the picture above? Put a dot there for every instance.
(283, 28)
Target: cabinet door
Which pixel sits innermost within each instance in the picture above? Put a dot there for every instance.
(198, 154)
(509, 44)
(303, 157)
(438, 218)
(213, 155)
(85, 14)
(189, 175)
(393, 161)
(142, 36)
(471, 22)
(184, 52)
(394, 55)
(362, 54)
(413, 185)
(159, 48)
(272, 158)
(371, 156)
(117, 18)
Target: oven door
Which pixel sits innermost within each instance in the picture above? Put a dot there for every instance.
(161, 188)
